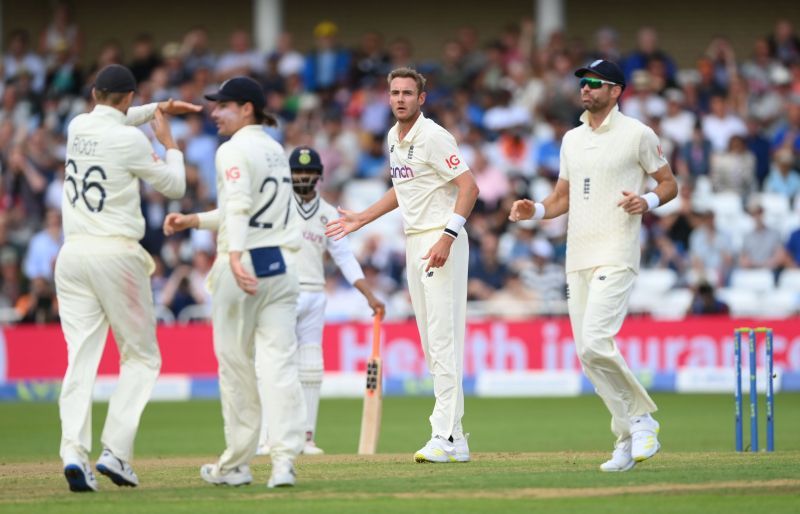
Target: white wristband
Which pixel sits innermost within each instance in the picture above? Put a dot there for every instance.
(538, 211)
(652, 200)
(454, 225)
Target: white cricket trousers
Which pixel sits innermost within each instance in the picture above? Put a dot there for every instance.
(241, 324)
(439, 298)
(102, 282)
(309, 329)
(597, 303)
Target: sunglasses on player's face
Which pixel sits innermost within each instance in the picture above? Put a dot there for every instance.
(594, 83)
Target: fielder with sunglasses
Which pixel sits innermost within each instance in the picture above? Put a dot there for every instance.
(605, 164)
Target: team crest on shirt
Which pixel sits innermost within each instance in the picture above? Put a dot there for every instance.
(410, 152)
(324, 219)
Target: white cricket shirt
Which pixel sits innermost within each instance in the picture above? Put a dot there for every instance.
(106, 157)
(313, 216)
(600, 164)
(422, 166)
(255, 196)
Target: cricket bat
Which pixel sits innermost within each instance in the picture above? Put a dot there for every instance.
(373, 395)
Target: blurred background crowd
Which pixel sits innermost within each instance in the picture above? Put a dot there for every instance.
(729, 124)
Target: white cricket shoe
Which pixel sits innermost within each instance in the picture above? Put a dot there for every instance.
(438, 449)
(79, 477)
(311, 448)
(621, 459)
(263, 449)
(644, 436)
(283, 474)
(235, 477)
(119, 471)
(462, 448)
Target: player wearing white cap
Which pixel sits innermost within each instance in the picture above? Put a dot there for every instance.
(102, 273)
(604, 165)
(315, 213)
(435, 192)
(254, 287)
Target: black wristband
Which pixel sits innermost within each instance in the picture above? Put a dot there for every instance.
(451, 233)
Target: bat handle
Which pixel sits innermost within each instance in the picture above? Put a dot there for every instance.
(376, 335)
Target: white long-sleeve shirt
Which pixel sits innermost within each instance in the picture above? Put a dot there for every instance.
(314, 216)
(256, 205)
(106, 157)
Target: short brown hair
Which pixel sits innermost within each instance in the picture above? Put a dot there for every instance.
(108, 97)
(408, 73)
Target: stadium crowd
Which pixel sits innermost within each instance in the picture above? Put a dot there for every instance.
(729, 125)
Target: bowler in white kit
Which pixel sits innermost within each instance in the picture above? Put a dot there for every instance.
(436, 192)
(102, 273)
(604, 165)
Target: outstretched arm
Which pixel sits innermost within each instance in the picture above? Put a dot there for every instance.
(350, 221)
(556, 204)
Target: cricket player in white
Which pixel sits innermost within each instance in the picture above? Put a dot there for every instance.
(314, 213)
(435, 192)
(254, 288)
(102, 273)
(604, 165)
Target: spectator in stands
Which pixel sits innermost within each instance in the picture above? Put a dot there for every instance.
(21, 59)
(195, 51)
(763, 247)
(646, 49)
(711, 250)
(514, 300)
(492, 182)
(720, 124)
(759, 147)
(44, 246)
(643, 103)
(486, 273)
(370, 59)
(606, 45)
(793, 250)
(61, 35)
(542, 275)
(705, 301)
(144, 58)
(788, 133)
(240, 59)
(783, 178)
(39, 305)
(372, 162)
(735, 169)
(328, 65)
(784, 44)
(677, 122)
(694, 157)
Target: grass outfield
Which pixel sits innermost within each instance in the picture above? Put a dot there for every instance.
(529, 455)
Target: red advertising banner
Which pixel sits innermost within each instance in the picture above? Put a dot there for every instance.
(39, 352)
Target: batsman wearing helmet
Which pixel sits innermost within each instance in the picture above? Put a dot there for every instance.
(315, 213)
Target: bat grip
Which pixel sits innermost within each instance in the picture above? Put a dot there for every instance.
(376, 335)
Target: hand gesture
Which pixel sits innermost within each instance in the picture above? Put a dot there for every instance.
(161, 130)
(175, 107)
(177, 222)
(246, 282)
(521, 210)
(377, 306)
(438, 253)
(338, 228)
(632, 203)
